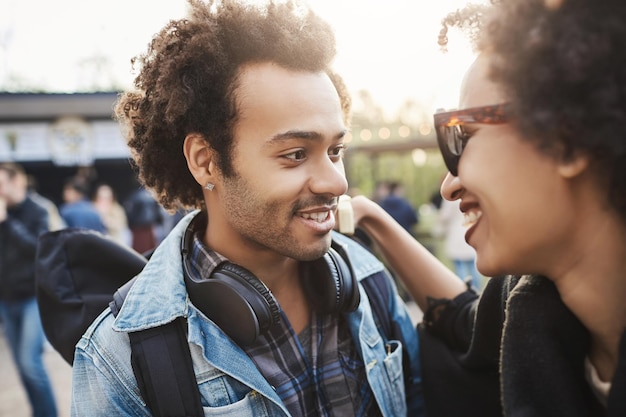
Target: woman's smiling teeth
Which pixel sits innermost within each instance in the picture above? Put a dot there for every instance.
(471, 217)
(318, 216)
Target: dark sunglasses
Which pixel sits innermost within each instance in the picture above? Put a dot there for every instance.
(452, 137)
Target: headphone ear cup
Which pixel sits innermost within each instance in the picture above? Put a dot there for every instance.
(236, 301)
(349, 296)
(330, 284)
(266, 306)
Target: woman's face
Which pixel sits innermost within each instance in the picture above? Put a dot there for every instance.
(515, 200)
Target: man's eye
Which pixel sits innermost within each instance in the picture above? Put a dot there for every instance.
(337, 151)
(296, 155)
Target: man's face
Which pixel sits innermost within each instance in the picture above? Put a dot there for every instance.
(288, 166)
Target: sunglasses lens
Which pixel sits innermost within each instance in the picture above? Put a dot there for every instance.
(450, 143)
(455, 139)
(451, 135)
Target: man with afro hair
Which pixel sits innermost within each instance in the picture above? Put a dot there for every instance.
(237, 116)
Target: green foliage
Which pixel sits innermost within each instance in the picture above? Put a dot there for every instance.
(365, 169)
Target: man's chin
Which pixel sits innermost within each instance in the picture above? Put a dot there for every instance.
(307, 248)
(313, 253)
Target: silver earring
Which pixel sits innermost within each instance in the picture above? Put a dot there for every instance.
(209, 186)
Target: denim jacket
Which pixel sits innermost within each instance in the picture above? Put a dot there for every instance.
(229, 382)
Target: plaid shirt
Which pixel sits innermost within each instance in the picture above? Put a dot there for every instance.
(316, 373)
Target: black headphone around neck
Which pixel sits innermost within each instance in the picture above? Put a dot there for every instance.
(242, 305)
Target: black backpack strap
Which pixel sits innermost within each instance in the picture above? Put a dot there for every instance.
(119, 296)
(162, 365)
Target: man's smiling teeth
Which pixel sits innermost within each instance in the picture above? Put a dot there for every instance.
(318, 217)
(471, 217)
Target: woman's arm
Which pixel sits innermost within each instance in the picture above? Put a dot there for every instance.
(423, 275)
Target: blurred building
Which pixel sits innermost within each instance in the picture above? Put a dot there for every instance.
(55, 136)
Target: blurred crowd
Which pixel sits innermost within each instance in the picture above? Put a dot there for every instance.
(138, 221)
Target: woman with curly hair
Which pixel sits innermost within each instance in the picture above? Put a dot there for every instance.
(537, 158)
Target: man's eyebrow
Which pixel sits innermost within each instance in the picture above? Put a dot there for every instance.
(302, 134)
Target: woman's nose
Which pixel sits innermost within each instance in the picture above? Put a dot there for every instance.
(451, 187)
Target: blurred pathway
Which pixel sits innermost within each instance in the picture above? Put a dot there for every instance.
(13, 401)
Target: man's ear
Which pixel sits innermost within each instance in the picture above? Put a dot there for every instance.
(199, 158)
(574, 165)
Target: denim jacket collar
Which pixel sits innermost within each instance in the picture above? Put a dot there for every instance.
(158, 295)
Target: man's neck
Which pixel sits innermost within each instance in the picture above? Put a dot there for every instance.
(279, 273)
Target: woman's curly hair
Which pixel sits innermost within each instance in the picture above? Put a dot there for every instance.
(188, 79)
(562, 65)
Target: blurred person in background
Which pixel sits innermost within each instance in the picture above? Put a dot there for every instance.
(381, 190)
(55, 220)
(77, 210)
(145, 216)
(22, 221)
(396, 204)
(112, 214)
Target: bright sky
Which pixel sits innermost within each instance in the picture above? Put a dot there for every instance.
(388, 47)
